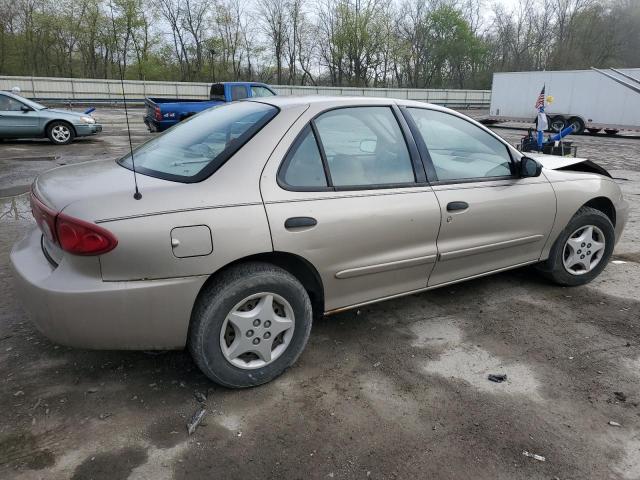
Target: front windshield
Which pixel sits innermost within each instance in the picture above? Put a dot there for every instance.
(31, 103)
(198, 146)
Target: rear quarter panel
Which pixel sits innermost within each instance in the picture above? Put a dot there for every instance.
(229, 203)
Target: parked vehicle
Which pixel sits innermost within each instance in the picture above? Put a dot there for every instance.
(588, 99)
(163, 113)
(23, 118)
(259, 215)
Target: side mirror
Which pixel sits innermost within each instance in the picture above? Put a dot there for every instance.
(529, 167)
(25, 109)
(368, 146)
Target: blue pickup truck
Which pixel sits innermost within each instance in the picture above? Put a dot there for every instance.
(162, 113)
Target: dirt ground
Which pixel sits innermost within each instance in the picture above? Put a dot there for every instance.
(394, 390)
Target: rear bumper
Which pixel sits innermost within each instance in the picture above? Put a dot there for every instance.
(71, 305)
(158, 126)
(85, 129)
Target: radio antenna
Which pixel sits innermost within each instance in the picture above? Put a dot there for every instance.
(137, 195)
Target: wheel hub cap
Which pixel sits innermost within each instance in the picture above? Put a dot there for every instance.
(583, 250)
(257, 331)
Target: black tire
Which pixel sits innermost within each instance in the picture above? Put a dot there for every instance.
(577, 124)
(593, 131)
(219, 298)
(554, 269)
(56, 139)
(557, 123)
(611, 131)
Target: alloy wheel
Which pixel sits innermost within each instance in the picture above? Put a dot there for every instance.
(61, 133)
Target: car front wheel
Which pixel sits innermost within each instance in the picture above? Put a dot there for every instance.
(582, 250)
(249, 325)
(60, 133)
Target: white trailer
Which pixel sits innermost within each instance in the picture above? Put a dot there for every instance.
(594, 99)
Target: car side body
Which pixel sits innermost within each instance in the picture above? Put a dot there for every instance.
(23, 118)
(368, 243)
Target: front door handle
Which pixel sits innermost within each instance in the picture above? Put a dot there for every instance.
(300, 222)
(455, 206)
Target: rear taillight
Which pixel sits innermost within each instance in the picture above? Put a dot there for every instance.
(72, 234)
(83, 238)
(158, 114)
(45, 218)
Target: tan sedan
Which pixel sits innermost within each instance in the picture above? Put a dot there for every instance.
(258, 216)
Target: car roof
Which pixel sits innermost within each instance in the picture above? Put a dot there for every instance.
(288, 101)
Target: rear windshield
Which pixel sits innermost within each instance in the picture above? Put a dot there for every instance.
(196, 147)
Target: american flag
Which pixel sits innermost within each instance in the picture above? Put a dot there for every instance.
(540, 101)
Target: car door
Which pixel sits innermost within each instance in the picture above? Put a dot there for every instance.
(491, 218)
(16, 122)
(350, 197)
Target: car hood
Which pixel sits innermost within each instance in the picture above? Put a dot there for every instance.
(57, 112)
(556, 162)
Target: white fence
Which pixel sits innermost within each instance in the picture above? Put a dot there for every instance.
(80, 90)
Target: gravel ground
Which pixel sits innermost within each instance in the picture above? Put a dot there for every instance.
(394, 390)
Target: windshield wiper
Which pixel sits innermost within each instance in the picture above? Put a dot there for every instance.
(177, 164)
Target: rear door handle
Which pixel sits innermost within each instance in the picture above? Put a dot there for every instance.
(454, 206)
(300, 222)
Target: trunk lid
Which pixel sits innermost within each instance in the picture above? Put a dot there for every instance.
(102, 189)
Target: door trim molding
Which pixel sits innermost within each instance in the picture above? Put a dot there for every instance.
(420, 290)
(385, 267)
(444, 256)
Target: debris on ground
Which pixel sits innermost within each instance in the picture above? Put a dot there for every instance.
(535, 456)
(614, 424)
(200, 397)
(104, 416)
(618, 262)
(620, 396)
(19, 393)
(497, 377)
(196, 420)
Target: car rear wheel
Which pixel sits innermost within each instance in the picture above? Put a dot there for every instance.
(249, 325)
(60, 133)
(582, 250)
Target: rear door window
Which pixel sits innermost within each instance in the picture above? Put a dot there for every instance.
(303, 168)
(364, 146)
(238, 92)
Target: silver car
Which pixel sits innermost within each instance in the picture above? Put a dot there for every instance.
(258, 216)
(23, 118)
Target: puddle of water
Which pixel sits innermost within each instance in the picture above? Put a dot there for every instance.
(15, 209)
